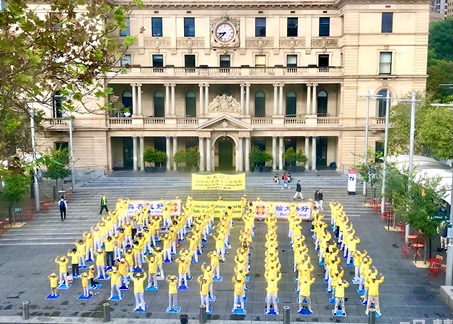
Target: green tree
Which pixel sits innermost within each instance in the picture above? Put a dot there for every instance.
(190, 157)
(433, 129)
(440, 41)
(57, 164)
(441, 72)
(64, 50)
(154, 156)
(15, 187)
(259, 157)
(290, 156)
(301, 157)
(371, 170)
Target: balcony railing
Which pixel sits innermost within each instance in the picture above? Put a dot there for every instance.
(261, 120)
(120, 121)
(204, 72)
(154, 120)
(298, 120)
(328, 121)
(187, 121)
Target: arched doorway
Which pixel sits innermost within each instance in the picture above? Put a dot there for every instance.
(225, 148)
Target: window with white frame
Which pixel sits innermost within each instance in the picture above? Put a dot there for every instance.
(126, 60)
(385, 63)
(260, 60)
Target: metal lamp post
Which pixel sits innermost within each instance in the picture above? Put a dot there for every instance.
(33, 145)
(71, 151)
(386, 139)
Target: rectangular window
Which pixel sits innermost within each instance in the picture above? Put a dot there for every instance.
(323, 60)
(156, 27)
(260, 60)
(126, 60)
(291, 61)
(291, 27)
(385, 63)
(387, 22)
(225, 61)
(189, 27)
(127, 31)
(158, 60)
(324, 26)
(189, 61)
(260, 27)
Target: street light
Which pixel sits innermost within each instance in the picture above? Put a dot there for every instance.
(71, 151)
(33, 145)
(367, 117)
(384, 169)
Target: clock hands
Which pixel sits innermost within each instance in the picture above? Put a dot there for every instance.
(221, 34)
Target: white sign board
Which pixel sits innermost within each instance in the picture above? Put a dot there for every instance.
(352, 181)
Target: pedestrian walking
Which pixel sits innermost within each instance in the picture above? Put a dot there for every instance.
(298, 191)
(63, 207)
(103, 204)
(320, 199)
(316, 199)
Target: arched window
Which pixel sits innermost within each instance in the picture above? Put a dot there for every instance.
(159, 105)
(57, 105)
(322, 104)
(126, 100)
(260, 104)
(381, 102)
(291, 103)
(191, 107)
(226, 93)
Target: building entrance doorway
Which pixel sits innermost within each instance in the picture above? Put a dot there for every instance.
(225, 147)
(321, 152)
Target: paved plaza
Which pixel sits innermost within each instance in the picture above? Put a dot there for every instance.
(27, 257)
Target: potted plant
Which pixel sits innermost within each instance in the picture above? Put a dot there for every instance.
(301, 158)
(156, 158)
(290, 157)
(258, 158)
(190, 158)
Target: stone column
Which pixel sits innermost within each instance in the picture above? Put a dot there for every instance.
(175, 148)
(201, 100)
(313, 153)
(139, 100)
(280, 106)
(168, 152)
(142, 152)
(274, 153)
(206, 98)
(202, 149)
(314, 108)
(109, 154)
(306, 152)
(248, 143)
(242, 99)
(134, 99)
(308, 98)
(275, 99)
(247, 99)
(280, 153)
(173, 100)
(241, 155)
(134, 152)
(167, 99)
(208, 155)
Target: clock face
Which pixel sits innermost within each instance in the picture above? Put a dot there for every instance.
(224, 32)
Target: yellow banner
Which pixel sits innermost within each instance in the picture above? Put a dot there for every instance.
(218, 181)
(200, 207)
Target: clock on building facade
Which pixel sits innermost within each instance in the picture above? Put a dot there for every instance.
(225, 32)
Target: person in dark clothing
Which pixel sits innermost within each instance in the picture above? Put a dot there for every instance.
(320, 199)
(298, 191)
(63, 207)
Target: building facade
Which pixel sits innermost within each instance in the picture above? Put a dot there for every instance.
(225, 76)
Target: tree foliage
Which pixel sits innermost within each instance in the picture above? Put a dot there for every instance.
(259, 157)
(58, 45)
(15, 187)
(440, 41)
(440, 74)
(433, 130)
(190, 157)
(371, 170)
(154, 156)
(57, 165)
(291, 156)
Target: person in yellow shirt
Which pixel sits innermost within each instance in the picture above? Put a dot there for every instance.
(167, 247)
(215, 263)
(352, 247)
(272, 291)
(204, 290)
(172, 293)
(182, 272)
(373, 293)
(100, 263)
(364, 269)
(357, 259)
(109, 250)
(139, 281)
(89, 243)
(85, 283)
(91, 276)
(159, 254)
(53, 279)
(152, 272)
(137, 251)
(81, 251)
(339, 287)
(208, 272)
(238, 294)
(115, 279)
(62, 263)
(123, 269)
(304, 293)
(74, 262)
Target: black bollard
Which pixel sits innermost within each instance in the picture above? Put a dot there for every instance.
(202, 314)
(106, 308)
(286, 315)
(372, 316)
(25, 310)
